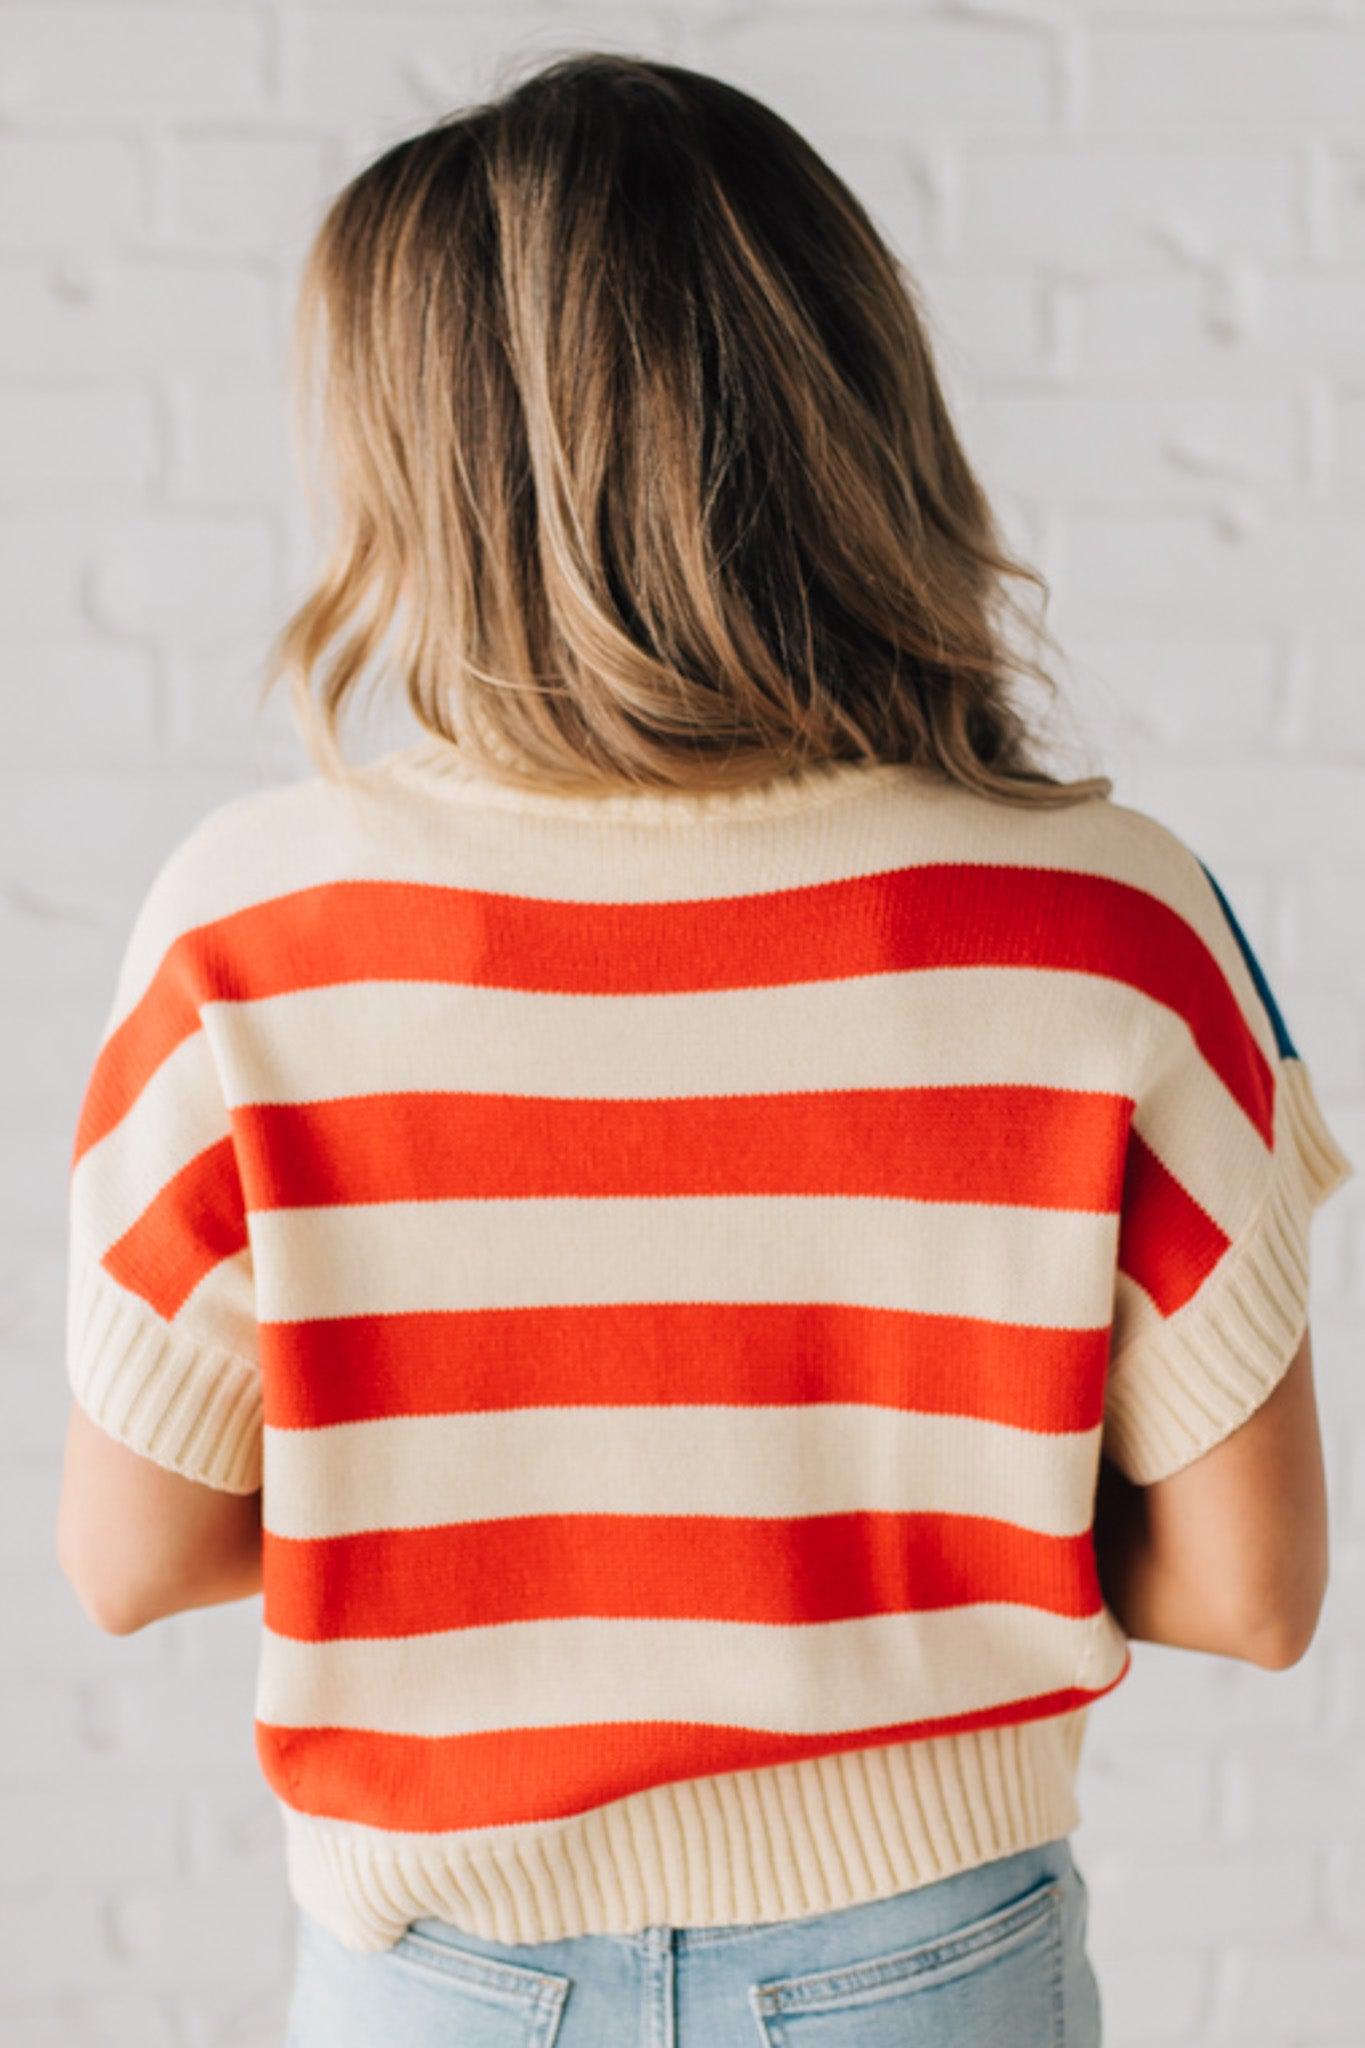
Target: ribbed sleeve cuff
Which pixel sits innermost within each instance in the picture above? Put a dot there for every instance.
(191, 1407)
(1178, 1390)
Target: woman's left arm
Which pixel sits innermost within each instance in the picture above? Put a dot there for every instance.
(138, 1542)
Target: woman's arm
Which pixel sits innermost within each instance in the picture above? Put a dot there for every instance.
(138, 1542)
(1230, 1554)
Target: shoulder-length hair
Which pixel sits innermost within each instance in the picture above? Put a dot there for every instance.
(640, 456)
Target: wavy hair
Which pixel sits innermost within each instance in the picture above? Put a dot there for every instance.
(640, 459)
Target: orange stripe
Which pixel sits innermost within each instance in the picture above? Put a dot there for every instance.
(939, 914)
(1167, 1242)
(194, 1222)
(445, 1362)
(769, 1569)
(431, 1784)
(166, 1015)
(1031, 1146)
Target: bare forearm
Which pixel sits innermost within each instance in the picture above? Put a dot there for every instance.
(1153, 1599)
(231, 1571)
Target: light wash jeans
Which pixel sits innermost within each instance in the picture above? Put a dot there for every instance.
(993, 1957)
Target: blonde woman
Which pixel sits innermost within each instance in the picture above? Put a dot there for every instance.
(714, 1239)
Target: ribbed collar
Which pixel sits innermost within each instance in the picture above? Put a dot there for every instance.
(437, 765)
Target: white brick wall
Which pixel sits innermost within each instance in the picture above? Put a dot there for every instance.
(1140, 225)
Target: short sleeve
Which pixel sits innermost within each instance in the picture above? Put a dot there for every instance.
(1228, 1158)
(161, 1338)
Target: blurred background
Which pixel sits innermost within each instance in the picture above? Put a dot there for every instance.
(1139, 226)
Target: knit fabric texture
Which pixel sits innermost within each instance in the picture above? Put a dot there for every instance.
(671, 1262)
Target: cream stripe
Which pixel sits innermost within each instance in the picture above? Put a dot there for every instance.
(414, 1471)
(224, 1303)
(304, 834)
(937, 1027)
(832, 1676)
(1015, 1265)
(1198, 1128)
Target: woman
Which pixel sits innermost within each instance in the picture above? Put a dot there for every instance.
(633, 1219)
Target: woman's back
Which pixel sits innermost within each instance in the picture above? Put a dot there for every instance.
(665, 1233)
(671, 1261)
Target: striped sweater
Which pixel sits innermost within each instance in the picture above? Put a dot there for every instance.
(671, 1261)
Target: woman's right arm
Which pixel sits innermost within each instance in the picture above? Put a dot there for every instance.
(1230, 1554)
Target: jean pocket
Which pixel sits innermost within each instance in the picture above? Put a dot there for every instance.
(995, 1981)
(501, 2004)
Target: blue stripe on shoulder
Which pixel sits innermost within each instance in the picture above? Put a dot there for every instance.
(1283, 1041)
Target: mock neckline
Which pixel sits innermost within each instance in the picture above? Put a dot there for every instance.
(436, 765)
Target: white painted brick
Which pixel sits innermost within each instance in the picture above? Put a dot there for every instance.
(1155, 1793)
(1311, 1797)
(38, 1095)
(1324, 911)
(1288, 811)
(1195, 1898)
(178, 1935)
(62, 444)
(1149, 695)
(1200, 79)
(192, 579)
(55, 1949)
(28, 1511)
(42, 561)
(1352, 1505)
(212, 721)
(893, 186)
(1328, 1027)
(33, 1402)
(1280, 10)
(1129, 449)
(1344, 1870)
(232, 444)
(66, 938)
(881, 78)
(68, 191)
(1147, 1995)
(236, 1827)
(1255, 570)
(1337, 1232)
(60, 1642)
(1350, 440)
(238, 2013)
(216, 1639)
(112, 2019)
(81, 701)
(191, 63)
(114, 1831)
(984, 322)
(1301, 1988)
(164, 1725)
(65, 826)
(1336, 692)
(1282, 322)
(1091, 204)
(1346, 185)
(402, 68)
(79, 317)
(246, 192)
(41, 1738)
(1181, 1694)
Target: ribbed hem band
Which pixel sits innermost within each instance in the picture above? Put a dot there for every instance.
(773, 1844)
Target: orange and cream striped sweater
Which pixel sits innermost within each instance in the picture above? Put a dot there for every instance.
(671, 1262)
